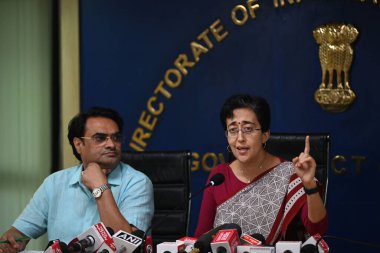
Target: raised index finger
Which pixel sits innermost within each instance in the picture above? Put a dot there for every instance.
(307, 145)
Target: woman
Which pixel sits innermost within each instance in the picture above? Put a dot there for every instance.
(262, 193)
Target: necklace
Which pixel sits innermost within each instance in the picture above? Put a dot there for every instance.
(260, 167)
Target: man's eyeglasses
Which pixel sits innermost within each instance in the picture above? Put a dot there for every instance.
(245, 130)
(100, 139)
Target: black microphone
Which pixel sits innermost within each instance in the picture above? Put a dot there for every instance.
(94, 238)
(203, 244)
(309, 248)
(51, 243)
(81, 245)
(259, 237)
(141, 234)
(110, 230)
(215, 180)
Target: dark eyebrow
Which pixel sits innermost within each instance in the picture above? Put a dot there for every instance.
(104, 134)
(244, 122)
(99, 134)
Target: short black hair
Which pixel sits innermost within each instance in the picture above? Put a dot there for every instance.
(257, 104)
(77, 124)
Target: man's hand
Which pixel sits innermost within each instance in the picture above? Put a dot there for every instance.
(93, 176)
(12, 246)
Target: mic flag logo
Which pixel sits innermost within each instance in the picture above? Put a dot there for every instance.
(102, 230)
(129, 238)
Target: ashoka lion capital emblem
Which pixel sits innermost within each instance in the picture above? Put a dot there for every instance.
(335, 55)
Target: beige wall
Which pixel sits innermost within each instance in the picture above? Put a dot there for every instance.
(25, 99)
(70, 91)
(25, 109)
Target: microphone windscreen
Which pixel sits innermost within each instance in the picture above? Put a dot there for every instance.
(49, 244)
(64, 247)
(203, 242)
(230, 226)
(110, 230)
(259, 237)
(309, 248)
(217, 179)
(139, 233)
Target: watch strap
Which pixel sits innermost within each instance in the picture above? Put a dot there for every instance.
(311, 191)
(101, 188)
(104, 187)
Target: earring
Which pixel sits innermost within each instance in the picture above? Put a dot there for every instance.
(228, 148)
(264, 145)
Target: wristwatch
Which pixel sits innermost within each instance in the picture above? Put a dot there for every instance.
(311, 191)
(97, 192)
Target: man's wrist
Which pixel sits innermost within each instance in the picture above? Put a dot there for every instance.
(98, 191)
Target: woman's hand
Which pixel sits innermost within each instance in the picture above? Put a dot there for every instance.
(305, 166)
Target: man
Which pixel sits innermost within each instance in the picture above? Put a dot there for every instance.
(101, 188)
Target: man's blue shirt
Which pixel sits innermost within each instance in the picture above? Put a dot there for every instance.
(65, 208)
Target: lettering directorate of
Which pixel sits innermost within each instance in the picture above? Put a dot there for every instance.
(173, 77)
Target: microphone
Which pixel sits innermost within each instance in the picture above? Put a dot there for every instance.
(126, 242)
(259, 237)
(188, 241)
(83, 244)
(255, 243)
(225, 241)
(288, 247)
(315, 244)
(171, 247)
(146, 245)
(56, 246)
(215, 180)
(258, 249)
(255, 239)
(309, 248)
(105, 248)
(108, 247)
(202, 245)
(95, 239)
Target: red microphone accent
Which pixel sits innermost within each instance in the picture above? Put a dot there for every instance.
(225, 241)
(250, 240)
(148, 245)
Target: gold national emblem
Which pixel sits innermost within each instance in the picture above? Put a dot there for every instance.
(335, 55)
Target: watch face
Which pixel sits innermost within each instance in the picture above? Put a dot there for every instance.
(96, 193)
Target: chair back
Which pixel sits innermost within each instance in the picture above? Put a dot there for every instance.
(290, 145)
(170, 173)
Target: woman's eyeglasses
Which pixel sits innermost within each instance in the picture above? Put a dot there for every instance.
(246, 130)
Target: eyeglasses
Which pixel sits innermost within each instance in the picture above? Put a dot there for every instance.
(101, 139)
(246, 130)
